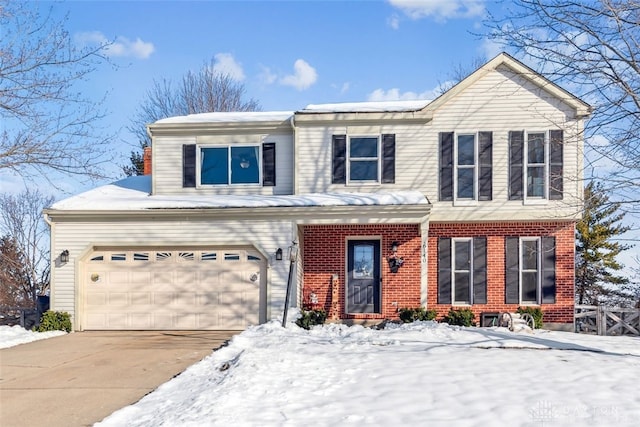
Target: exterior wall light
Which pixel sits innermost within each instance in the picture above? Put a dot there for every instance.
(64, 257)
(279, 254)
(395, 262)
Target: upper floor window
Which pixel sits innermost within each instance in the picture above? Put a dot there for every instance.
(229, 165)
(466, 170)
(465, 176)
(535, 165)
(363, 159)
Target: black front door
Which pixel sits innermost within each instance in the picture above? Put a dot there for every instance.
(363, 278)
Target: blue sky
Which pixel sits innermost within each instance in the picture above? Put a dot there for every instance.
(287, 54)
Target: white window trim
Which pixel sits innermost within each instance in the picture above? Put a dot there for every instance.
(535, 200)
(456, 200)
(538, 241)
(469, 241)
(199, 148)
(378, 181)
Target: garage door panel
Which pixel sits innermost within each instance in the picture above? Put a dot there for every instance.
(140, 298)
(180, 289)
(141, 278)
(118, 298)
(118, 278)
(141, 320)
(162, 299)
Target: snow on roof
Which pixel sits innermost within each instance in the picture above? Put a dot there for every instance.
(280, 116)
(131, 194)
(367, 107)
(239, 116)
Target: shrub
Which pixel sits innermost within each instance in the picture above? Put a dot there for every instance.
(535, 312)
(55, 321)
(408, 315)
(460, 317)
(310, 318)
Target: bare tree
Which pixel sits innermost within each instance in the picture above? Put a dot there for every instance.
(21, 222)
(48, 123)
(592, 48)
(202, 91)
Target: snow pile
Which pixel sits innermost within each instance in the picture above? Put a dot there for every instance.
(416, 374)
(14, 335)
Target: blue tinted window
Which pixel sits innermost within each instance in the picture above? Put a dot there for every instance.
(214, 166)
(244, 165)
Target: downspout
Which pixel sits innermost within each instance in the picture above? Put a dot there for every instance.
(51, 225)
(292, 122)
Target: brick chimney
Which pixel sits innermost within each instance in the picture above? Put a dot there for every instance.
(146, 161)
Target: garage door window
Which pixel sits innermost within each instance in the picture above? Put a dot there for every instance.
(163, 256)
(172, 257)
(209, 256)
(141, 256)
(186, 256)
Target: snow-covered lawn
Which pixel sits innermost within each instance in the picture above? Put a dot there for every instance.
(14, 335)
(416, 374)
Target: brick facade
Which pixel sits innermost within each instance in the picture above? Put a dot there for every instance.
(324, 255)
(560, 312)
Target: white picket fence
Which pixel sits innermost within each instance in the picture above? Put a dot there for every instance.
(607, 320)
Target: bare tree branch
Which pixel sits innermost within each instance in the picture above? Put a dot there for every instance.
(592, 48)
(203, 91)
(48, 123)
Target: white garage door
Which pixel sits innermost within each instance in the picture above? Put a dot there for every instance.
(173, 289)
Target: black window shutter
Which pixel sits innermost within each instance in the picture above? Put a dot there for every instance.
(388, 158)
(189, 165)
(269, 164)
(485, 160)
(446, 166)
(548, 270)
(555, 165)
(479, 270)
(512, 270)
(339, 163)
(516, 159)
(444, 270)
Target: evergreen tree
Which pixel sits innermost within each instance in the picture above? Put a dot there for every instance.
(596, 250)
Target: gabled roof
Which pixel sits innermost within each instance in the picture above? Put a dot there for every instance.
(419, 111)
(503, 59)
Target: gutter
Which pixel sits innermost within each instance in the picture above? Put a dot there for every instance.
(344, 213)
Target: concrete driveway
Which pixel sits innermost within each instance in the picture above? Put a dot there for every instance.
(80, 378)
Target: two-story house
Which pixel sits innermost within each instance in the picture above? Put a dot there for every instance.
(468, 200)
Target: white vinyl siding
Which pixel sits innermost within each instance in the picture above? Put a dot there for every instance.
(79, 238)
(501, 102)
(498, 103)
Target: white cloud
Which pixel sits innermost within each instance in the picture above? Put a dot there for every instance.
(394, 21)
(304, 75)
(267, 76)
(225, 63)
(121, 46)
(440, 10)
